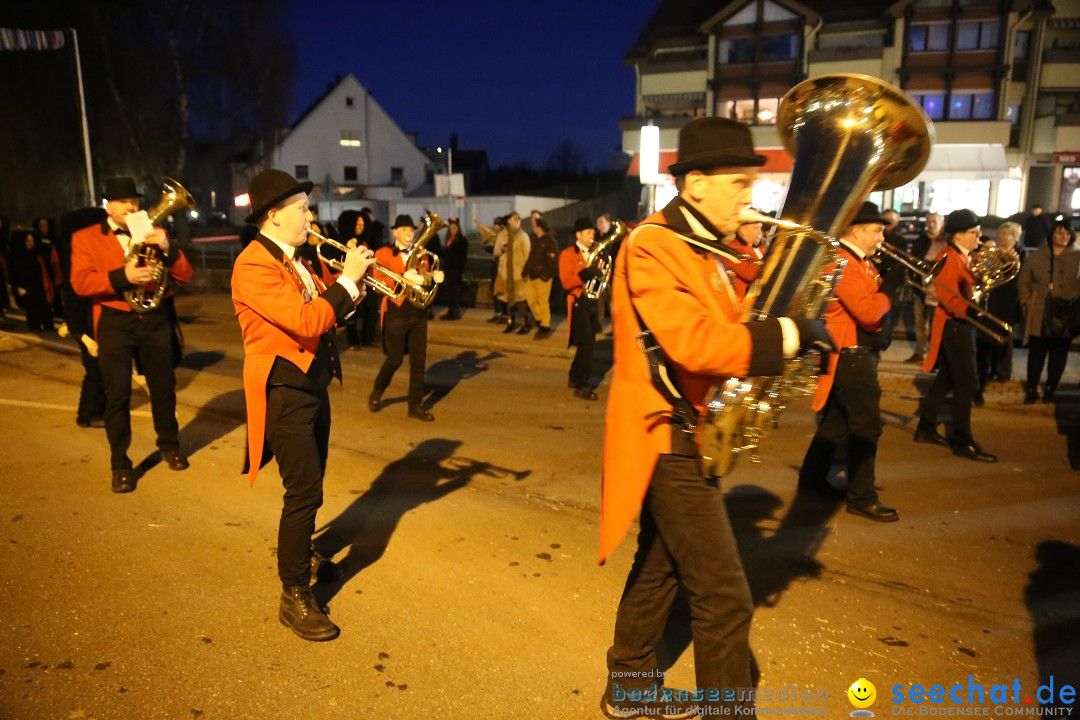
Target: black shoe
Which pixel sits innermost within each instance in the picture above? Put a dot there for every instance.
(175, 459)
(978, 400)
(915, 358)
(585, 393)
(373, 400)
(123, 480)
(876, 512)
(1048, 394)
(497, 319)
(511, 327)
(415, 411)
(973, 451)
(672, 704)
(926, 434)
(1031, 396)
(525, 330)
(542, 333)
(91, 423)
(300, 613)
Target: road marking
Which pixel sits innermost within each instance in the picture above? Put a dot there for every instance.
(54, 406)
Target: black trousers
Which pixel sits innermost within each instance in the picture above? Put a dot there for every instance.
(92, 394)
(404, 331)
(121, 335)
(298, 432)
(39, 312)
(685, 539)
(851, 415)
(450, 292)
(956, 371)
(583, 325)
(1039, 348)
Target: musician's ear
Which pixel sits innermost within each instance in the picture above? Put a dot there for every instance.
(695, 185)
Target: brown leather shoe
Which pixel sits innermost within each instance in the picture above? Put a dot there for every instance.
(585, 393)
(123, 480)
(300, 613)
(415, 411)
(876, 512)
(373, 400)
(175, 459)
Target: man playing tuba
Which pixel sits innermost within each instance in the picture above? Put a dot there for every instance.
(675, 297)
(99, 271)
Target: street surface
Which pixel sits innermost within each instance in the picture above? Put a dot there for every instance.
(470, 587)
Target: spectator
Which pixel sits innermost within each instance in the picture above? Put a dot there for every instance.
(1036, 228)
(512, 249)
(927, 246)
(488, 235)
(1051, 275)
(455, 255)
(539, 270)
(32, 278)
(1003, 302)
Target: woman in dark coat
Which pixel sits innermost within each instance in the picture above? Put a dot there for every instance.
(1051, 271)
(32, 279)
(47, 247)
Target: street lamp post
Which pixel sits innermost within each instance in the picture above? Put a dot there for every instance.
(449, 179)
(649, 163)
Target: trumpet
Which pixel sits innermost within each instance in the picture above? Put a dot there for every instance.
(924, 269)
(395, 291)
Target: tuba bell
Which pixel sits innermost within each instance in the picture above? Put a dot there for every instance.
(147, 297)
(602, 257)
(419, 260)
(849, 134)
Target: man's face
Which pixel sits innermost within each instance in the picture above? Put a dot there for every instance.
(892, 219)
(867, 237)
(403, 235)
(721, 195)
(292, 220)
(585, 237)
(119, 209)
(969, 239)
(750, 233)
(533, 217)
(514, 222)
(1007, 239)
(933, 224)
(602, 225)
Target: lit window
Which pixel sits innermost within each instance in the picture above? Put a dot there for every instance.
(767, 109)
(349, 138)
(725, 108)
(744, 111)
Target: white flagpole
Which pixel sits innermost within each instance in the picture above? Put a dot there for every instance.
(85, 128)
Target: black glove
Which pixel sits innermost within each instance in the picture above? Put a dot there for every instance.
(813, 337)
(588, 273)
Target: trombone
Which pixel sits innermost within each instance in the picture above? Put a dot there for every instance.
(993, 326)
(393, 292)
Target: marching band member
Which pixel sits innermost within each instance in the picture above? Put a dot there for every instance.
(581, 315)
(746, 242)
(848, 398)
(672, 290)
(404, 325)
(288, 316)
(99, 271)
(952, 343)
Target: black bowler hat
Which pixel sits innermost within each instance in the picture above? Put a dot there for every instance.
(868, 214)
(583, 223)
(713, 142)
(403, 221)
(270, 187)
(120, 188)
(960, 221)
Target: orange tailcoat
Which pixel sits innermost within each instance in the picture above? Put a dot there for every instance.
(685, 301)
(571, 262)
(953, 283)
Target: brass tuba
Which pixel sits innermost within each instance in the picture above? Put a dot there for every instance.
(849, 134)
(602, 257)
(142, 299)
(419, 260)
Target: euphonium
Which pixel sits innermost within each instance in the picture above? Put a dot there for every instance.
(419, 260)
(849, 134)
(173, 198)
(992, 267)
(601, 256)
(391, 291)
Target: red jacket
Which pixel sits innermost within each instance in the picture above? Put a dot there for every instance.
(389, 257)
(276, 321)
(857, 304)
(571, 262)
(953, 284)
(97, 268)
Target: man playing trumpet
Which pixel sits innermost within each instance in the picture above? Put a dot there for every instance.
(288, 316)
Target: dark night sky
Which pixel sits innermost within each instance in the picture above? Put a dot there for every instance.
(514, 78)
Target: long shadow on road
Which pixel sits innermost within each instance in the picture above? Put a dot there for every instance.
(1053, 599)
(443, 376)
(427, 473)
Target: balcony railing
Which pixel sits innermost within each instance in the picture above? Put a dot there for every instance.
(1063, 55)
(846, 53)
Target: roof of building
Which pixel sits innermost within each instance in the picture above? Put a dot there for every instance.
(677, 19)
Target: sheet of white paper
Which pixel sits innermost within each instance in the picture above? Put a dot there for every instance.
(139, 225)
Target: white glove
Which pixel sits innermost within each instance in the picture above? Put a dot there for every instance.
(21, 292)
(91, 345)
(414, 277)
(438, 276)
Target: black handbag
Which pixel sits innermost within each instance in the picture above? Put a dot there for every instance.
(1061, 318)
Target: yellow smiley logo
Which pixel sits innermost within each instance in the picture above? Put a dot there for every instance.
(862, 693)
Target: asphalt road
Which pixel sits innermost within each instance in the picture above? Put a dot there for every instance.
(468, 548)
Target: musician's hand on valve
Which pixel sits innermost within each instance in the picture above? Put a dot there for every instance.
(159, 238)
(357, 262)
(813, 337)
(587, 274)
(414, 277)
(90, 343)
(135, 274)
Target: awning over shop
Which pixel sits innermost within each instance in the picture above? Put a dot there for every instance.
(777, 161)
(965, 162)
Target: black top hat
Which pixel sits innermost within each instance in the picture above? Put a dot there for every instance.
(403, 221)
(119, 188)
(270, 187)
(583, 223)
(960, 221)
(714, 142)
(868, 214)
